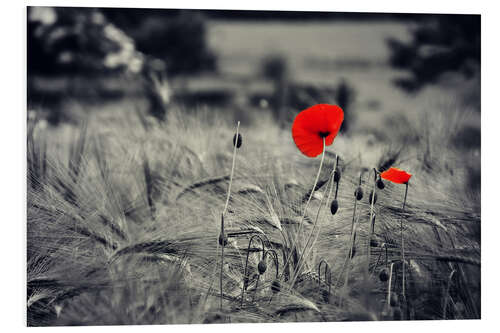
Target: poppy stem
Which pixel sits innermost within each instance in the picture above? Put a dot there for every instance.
(351, 249)
(222, 256)
(389, 283)
(403, 244)
(308, 248)
(349, 252)
(232, 172)
(297, 236)
(315, 184)
(222, 234)
(245, 277)
(371, 198)
(338, 181)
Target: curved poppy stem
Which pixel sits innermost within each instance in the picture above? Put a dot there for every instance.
(277, 266)
(314, 187)
(245, 277)
(308, 248)
(275, 260)
(307, 203)
(403, 244)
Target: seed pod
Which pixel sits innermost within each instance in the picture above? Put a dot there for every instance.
(276, 286)
(326, 296)
(394, 299)
(334, 206)
(384, 275)
(374, 243)
(222, 240)
(372, 197)
(336, 175)
(397, 314)
(262, 267)
(380, 183)
(358, 193)
(237, 143)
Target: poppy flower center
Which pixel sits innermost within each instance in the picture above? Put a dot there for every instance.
(324, 134)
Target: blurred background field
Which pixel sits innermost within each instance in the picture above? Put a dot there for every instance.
(256, 65)
(143, 104)
(219, 58)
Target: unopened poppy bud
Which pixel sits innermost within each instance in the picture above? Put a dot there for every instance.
(358, 193)
(334, 206)
(276, 286)
(238, 142)
(374, 243)
(394, 300)
(384, 275)
(222, 240)
(262, 267)
(326, 296)
(380, 183)
(372, 197)
(336, 175)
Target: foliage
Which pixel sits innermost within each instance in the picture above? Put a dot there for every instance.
(77, 40)
(177, 37)
(439, 44)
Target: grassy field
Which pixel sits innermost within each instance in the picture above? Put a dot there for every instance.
(124, 212)
(123, 227)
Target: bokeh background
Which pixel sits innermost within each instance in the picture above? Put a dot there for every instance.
(384, 70)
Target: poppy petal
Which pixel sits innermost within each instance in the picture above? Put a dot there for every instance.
(396, 175)
(312, 124)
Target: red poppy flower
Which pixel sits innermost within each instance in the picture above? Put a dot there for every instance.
(396, 175)
(315, 123)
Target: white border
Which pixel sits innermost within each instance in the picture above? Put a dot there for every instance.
(13, 164)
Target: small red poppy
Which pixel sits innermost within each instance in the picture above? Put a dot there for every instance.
(315, 123)
(396, 175)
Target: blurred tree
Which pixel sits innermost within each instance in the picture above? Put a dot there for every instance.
(275, 68)
(77, 40)
(177, 37)
(439, 44)
(174, 42)
(345, 96)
